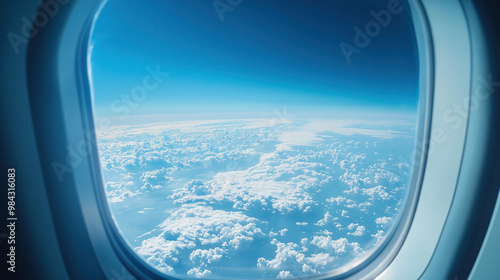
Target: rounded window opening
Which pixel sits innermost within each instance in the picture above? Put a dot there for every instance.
(255, 139)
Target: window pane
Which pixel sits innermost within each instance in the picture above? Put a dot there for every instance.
(255, 139)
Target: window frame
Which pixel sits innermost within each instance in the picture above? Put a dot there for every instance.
(373, 263)
(65, 89)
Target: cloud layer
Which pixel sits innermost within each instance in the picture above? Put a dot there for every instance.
(257, 198)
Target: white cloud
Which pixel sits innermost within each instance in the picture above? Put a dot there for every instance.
(352, 225)
(198, 273)
(351, 127)
(379, 236)
(156, 179)
(260, 186)
(161, 252)
(363, 206)
(378, 192)
(338, 199)
(326, 218)
(307, 269)
(284, 274)
(383, 220)
(214, 178)
(203, 225)
(327, 243)
(321, 259)
(211, 226)
(344, 213)
(290, 257)
(118, 192)
(204, 257)
(287, 255)
(325, 232)
(298, 138)
(360, 230)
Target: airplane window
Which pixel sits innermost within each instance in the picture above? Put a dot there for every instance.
(255, 139)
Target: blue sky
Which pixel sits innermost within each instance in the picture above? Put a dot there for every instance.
(264, 55)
